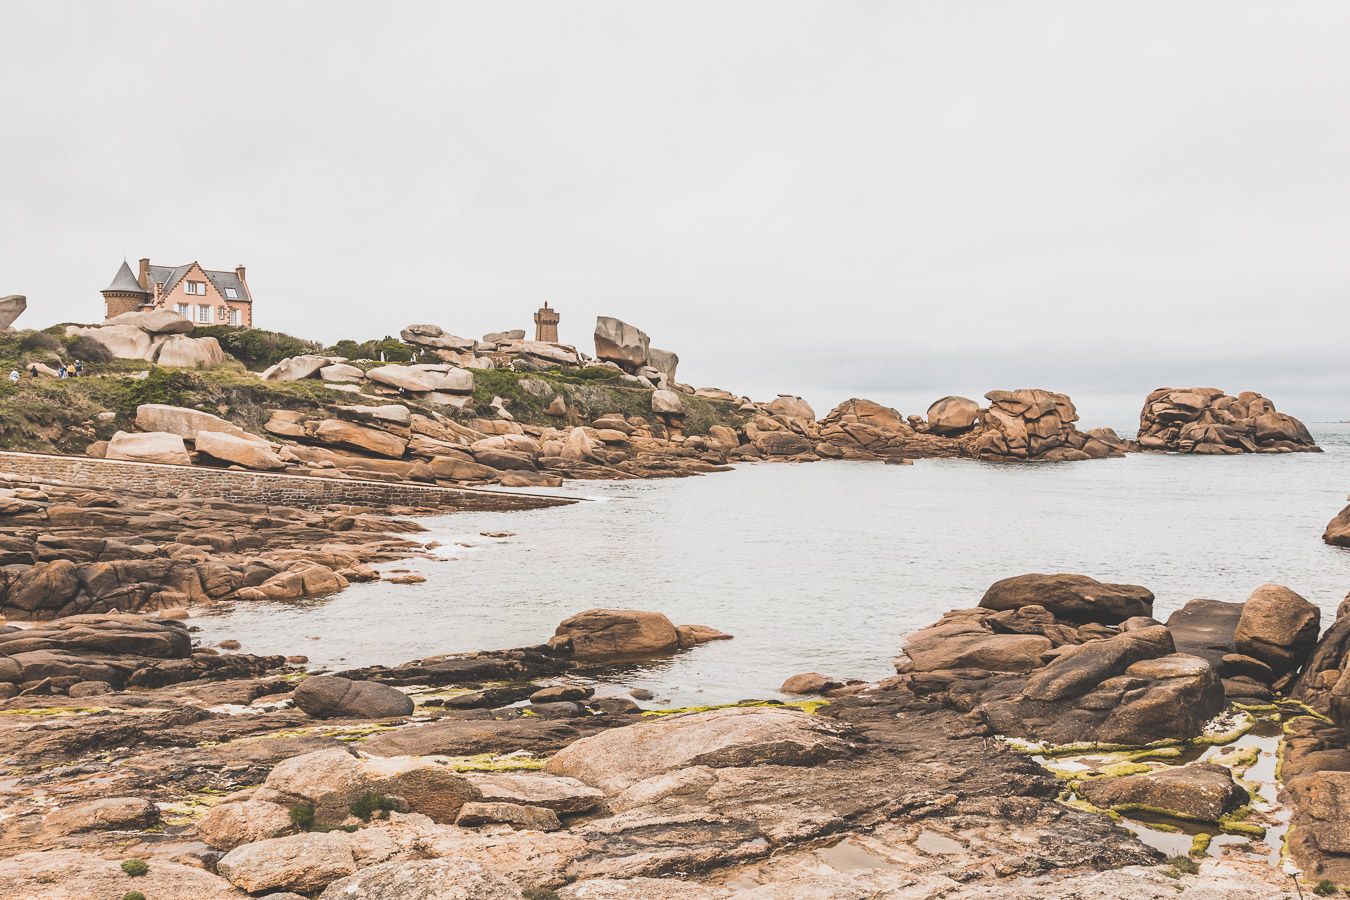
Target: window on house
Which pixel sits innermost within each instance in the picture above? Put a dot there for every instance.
(231, 294)
(195, 287)
(182, 310)
(204, 313)
(234, 316)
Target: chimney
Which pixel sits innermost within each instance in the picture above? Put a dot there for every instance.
(144, 278)
(239, 270)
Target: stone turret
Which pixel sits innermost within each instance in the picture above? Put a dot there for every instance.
(125, 294)
(546, 324)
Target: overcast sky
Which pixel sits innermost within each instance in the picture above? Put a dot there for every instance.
(896, 200)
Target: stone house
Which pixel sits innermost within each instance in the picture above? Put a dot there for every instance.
(204, 296)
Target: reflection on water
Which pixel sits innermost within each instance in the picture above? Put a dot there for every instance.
(824, 567)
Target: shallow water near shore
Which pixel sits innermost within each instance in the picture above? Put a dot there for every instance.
(824, 567)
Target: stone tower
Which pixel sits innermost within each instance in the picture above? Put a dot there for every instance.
(125, 294)
(546, 324)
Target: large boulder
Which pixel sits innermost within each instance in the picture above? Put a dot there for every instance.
(1206, 628)
(578, 446)
(1278, 627)
(148, 447)
(1206, 420)
(422, 380)
(452, 468)
(1338, 529)
(392, 413)
(182, 421)
(249, 452)
(297, 862)
(618, 342)
(185, 352)
(46, 585)
(423, 879)
(99, 634)
(328, 697)
(665, 362)
(781, 443)
(11, 307)
(104, 814)
(425, 335)
(970, 645)
(735, 737)
(864, 425)
(558, 354)
(1081, 668)
(122, 341)
(600, 634)
(404, 377)
(953, 415)
(791, 407)
(856, 410)
(328, 781)
(296, 368)
(1077, 598)
(236, 822)
(340, 433)
(1170, 697)
(154, 321)
(565, 796)
(1319, 834)
(521, 818)
(1325, 681)
(305, 578)
(667, 403)
(1196, 791)
(342, 373)
(82, 875)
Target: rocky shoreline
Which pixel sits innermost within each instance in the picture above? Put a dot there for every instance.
(504, 774)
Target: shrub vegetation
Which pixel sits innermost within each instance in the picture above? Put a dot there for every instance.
(135, 867)
(255, 348)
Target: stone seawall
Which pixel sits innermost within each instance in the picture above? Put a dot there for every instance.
(302, 491)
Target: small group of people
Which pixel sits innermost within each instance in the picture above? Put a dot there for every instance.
(72, 371)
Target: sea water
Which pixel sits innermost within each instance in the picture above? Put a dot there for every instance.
(825, 567)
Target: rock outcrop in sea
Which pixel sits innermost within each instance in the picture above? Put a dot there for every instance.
(1067, 659)
(1208, 421)
(1338, 529)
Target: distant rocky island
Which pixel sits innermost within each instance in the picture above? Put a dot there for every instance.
(183, 466)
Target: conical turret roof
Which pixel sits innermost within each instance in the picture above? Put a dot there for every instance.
(124, 282)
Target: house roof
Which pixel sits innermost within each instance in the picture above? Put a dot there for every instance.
(170, 276)
(124, 282)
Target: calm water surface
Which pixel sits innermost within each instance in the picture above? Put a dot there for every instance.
(824, 567)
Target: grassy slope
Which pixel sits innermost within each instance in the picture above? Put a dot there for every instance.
(46, 414)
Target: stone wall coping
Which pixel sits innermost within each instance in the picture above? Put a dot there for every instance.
(249, 481)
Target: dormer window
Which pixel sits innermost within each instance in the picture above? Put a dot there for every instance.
(231, 294)
(195, 287)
